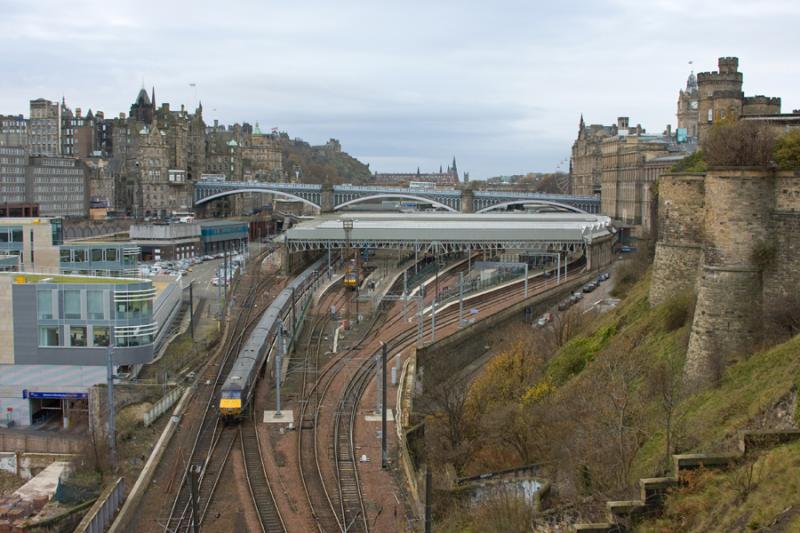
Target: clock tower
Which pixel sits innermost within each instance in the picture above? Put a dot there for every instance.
(688, 101)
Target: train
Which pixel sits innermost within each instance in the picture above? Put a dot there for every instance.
(238, 389)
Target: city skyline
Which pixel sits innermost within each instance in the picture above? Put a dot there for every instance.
(502, 89)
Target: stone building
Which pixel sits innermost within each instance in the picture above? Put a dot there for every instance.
(446, 178)
(719, 96)
(632, 161)
(13, 131)
(711, 228)
(58, 185)
(688, 101)
(13, 168)
(240, 152)
(586, 163)
(44, 128)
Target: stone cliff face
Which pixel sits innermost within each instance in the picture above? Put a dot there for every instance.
(732, 235)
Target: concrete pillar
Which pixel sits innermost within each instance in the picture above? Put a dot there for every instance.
(467, 201)
(326, 199)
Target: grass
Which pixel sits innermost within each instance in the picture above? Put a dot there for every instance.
(54, 278)
(764, 494)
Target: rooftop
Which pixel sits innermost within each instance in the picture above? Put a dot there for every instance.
(436, 228)
(25, 277)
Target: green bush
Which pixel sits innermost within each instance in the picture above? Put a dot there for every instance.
(787, 151)
(695, 162)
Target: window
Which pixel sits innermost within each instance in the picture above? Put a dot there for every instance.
(72, 304)
(97, 254)
(16, 235)
(94, 304)
(77, 335)
(111, 254)
(49, 336)
(44, 304)
(4, 235)
(135, 309)
(100, 336)
(79, 256)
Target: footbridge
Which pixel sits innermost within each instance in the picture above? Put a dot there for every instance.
(328, 198)
(537, 233)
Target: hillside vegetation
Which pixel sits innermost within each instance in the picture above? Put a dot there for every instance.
(608, 407)
(319, 164)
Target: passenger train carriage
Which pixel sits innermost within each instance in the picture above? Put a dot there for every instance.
(239, 386)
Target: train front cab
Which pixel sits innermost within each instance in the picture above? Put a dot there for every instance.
(230, 405)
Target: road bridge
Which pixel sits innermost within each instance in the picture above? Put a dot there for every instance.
(533, 233)
(328, 198)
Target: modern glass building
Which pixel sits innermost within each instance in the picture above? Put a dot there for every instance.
(56, 332)
(99, 259)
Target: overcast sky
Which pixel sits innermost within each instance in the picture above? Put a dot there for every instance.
(500, 85)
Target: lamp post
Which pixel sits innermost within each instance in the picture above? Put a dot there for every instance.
(347, 225)
(112, 432)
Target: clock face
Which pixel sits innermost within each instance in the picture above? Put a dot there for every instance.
(693, 104)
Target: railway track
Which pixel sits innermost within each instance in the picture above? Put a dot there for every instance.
(212, 434)
(342, 508)
(260, 490)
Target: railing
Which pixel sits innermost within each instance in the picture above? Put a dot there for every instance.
(104, 509)
(161, 406)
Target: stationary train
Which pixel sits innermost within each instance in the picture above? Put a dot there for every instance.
(239, 386)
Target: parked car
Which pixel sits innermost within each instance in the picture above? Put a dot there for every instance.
(589, 287)
(627, 249)
(564, 305)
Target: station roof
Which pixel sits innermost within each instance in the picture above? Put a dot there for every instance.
(450, 230)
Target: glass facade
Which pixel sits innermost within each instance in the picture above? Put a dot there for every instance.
(99, 259)
(95, 316)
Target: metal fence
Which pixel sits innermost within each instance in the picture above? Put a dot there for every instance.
(161, 406)
(102, 513)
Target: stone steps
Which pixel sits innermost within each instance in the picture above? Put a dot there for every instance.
(653, 491)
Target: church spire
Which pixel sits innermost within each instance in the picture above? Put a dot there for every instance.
(153, 97)
(454, 169)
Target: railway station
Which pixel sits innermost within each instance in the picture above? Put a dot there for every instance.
(441, 233)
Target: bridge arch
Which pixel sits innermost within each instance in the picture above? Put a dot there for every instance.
(503, 205)
(259, 190)
(395, 195)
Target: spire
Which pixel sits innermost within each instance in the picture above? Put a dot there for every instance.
(153, 97)
(440, 169)
(417, 171)
(582, 124)
(454, 170)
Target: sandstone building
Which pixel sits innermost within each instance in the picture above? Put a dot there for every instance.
(447, 178)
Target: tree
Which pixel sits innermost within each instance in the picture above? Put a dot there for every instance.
(787, 151)
(742, 143)
(665, 382)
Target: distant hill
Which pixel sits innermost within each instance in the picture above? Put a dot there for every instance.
(320, 164)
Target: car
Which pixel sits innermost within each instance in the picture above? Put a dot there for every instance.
(578, 295)
(589, 287)
(627, 249)
(606, 275)
(564, 305)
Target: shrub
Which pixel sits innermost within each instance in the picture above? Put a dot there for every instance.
(743, 143)
(787, 151)
(678, 310)
(695, 162)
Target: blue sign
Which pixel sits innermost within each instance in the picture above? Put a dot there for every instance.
(681, 135)
(56, 395)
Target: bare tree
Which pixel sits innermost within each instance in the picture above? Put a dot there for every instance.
(740, 143)
(564, 325)
(665, 381)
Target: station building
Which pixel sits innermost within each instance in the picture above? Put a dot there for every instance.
(56, 332)
(215, 235)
